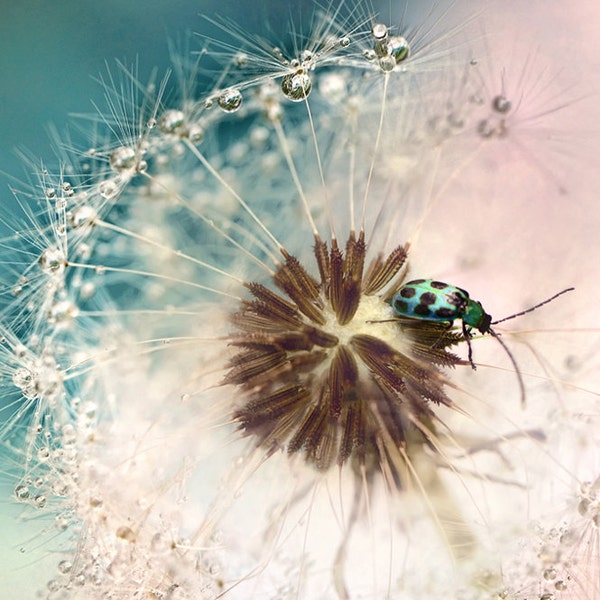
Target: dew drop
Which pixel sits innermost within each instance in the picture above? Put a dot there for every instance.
(50, 193)
(43, 454)
(296, 86)
(501, 104)
(68, 189)
(22, 493)
(61, 523)
(485, 129)
(230, 100)
(208, 103)
(550, 574)
(398, 48)
(151, 124)
(40, 501)
(171, 121)
(82, 217)
(560, 586)
(379, 31)
(123, 159)
(344, 42)
(52, 261)
(548, 596)
(195, 133)
(387, 64)
(126, 533)
(240, 59)
(370, 54)
(65, 566)
(108, 189)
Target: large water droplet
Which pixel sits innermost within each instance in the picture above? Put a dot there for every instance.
(296, 86)
(171, 121)
(52, 261)
(379, 31)
(122, 158)
(230, 100)
(82, 217)
(398, 48)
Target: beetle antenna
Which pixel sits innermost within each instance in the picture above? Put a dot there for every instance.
(512, 358)
(524, 312)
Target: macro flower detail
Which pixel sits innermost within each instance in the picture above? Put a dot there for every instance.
(221, 373)
(323, 376)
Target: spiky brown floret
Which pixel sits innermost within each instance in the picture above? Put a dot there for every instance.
(313, 381)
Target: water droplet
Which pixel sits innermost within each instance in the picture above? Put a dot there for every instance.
(501, 104)
(22, 493)
(398, 48)
(52, 260)
(485, 129)
(65, 566)
(123, 159)
(95, 502)
(548, 596)
(379, 31)
(296, 86)
(68, 189)
(550, 574)
(171, 122)
(126, 533)
(108, 189)
(306, 56)
(61, 523)
(344, 42)
(53, 585)
(50, 193)
(208, 103)
(151, 124)
(195, 133)
(68, 435)
(43, 454)
(596, 519)
(40, 501)
(369, 54)
(82, 217)
(240, 59)
(230, 100)
(583, 506)
(560, 586)
(387, 64)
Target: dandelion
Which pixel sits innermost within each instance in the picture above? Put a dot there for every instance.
(206, 383)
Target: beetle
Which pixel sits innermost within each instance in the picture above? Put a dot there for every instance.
(431, 300)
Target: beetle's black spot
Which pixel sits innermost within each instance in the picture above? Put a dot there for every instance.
(408, 292)
(427, 298)
(400, 306)
(438, 285)
(422, 310)
(446, 313)
(457, 300)
(415, 281)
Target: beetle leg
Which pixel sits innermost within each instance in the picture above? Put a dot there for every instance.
(467, 336)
